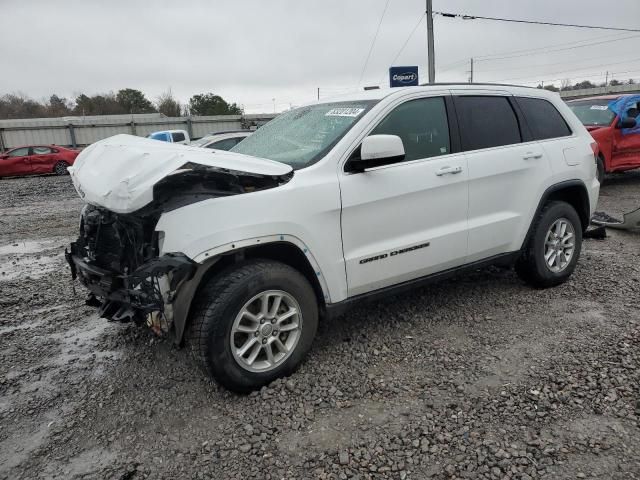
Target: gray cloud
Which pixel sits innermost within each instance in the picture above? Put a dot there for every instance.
(252, 51)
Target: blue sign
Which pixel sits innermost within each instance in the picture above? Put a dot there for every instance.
(403, 76)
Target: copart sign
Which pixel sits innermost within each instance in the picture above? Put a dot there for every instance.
(403, 76)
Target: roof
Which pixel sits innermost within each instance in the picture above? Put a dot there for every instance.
(169, 131)
(379, 94)
(218, 136)
(224, 132)
(49, 145)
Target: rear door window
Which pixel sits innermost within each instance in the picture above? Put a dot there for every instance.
(486, 121)
(422, 125)
(543, 118)
(41, 150)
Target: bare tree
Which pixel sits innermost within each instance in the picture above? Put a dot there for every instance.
(18, 105)
(168, 105)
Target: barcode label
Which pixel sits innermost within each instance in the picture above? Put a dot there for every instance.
(344, 112)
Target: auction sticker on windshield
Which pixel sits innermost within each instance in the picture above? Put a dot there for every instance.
(599, 107)
(344, 112)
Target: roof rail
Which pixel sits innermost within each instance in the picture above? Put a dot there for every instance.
(451, 84)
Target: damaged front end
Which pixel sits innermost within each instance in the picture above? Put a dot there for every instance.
(118, 255)
(116, 259)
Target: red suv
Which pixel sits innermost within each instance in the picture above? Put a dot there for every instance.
(611, 120)
(36, 159)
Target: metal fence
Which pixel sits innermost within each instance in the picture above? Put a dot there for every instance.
(608, 90)
(82, 131)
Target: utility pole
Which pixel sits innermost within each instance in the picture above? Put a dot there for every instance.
(318, 93)
(431, 60)
(606, 80)
(471, 72)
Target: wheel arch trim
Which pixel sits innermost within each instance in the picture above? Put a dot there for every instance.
(209, 258)
(558, 188)
(240, 245)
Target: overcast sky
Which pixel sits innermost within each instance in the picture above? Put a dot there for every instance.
(254, 51)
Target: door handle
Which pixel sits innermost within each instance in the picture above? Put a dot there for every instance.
(449, 171)
(531, 156)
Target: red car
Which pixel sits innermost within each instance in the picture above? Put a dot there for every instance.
(611, 120)
(36, 159)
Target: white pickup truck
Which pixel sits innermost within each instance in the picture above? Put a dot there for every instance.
(242, 253)
(171, 136)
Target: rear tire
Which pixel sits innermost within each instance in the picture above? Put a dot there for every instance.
(600, 169)
(552, 252)
(60, 168)
(231, 316)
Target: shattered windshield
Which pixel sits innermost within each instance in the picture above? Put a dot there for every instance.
(302, 136)
(593, 112)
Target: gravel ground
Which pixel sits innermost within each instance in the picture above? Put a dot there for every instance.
(477, 377)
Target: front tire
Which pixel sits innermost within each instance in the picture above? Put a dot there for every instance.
(552, 252)
(253, 323)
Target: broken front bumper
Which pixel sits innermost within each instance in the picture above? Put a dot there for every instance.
(147, 289)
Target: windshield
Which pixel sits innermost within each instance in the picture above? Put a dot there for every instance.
(593, 112)
(302, 136)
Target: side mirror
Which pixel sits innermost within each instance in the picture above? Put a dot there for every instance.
(4, 157)
(377, 150)
(626, 122)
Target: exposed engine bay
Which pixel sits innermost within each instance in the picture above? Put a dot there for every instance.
(117, 256)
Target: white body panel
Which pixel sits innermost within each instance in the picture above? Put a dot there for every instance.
(306, 208)
(399, 207)
(340, 218)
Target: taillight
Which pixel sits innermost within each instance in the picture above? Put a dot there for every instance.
(595, 149)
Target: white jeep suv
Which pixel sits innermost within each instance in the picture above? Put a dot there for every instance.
(241, 253)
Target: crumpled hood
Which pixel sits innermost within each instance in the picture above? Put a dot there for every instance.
(118, 173)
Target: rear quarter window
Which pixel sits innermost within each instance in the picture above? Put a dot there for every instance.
(486, 121)
(178, 136)
(543, 118)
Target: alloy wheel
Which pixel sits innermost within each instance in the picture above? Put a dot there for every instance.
(266, 331)
(559, 245)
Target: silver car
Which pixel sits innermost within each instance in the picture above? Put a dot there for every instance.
(222, 140)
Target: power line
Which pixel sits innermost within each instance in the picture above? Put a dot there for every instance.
(563, 46)
(560, 49)
(537, 51)
(522, 67)
(408, 38)
(533, 22)
(580, 69)
(449, 66)
(424, 14)
(366, 62)
(581, 75)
